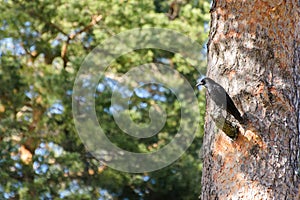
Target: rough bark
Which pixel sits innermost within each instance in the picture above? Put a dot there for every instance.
(254, 53)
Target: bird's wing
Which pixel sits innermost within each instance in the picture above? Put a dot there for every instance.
(218, 95)
(231, 108)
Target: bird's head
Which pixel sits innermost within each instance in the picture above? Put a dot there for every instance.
(203, 82)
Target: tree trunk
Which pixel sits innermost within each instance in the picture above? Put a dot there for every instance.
(254, 53)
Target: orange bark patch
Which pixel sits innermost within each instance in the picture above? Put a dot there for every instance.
(232, 74)
(223, 145)
(260, 89)
(101, 169)
(91, 172)
(256, 139)
(25, 155)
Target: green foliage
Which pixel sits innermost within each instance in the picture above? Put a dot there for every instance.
(42, 46)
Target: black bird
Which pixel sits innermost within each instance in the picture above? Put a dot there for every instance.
(220, 97)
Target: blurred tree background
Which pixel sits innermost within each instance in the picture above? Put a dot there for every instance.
(42, 44)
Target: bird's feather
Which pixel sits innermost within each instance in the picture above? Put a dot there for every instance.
(221, 98)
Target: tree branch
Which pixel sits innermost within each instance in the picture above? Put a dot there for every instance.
(64, 49)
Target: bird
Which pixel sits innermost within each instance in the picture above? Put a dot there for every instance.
(221, 98)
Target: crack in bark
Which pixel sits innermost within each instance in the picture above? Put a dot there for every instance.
(296, 71)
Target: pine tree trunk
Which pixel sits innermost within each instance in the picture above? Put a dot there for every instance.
(254, 53)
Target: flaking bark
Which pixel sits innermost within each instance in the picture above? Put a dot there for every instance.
(254, 53)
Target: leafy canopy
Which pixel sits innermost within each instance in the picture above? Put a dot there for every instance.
(42, 46)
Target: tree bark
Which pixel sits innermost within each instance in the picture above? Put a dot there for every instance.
(254, 53)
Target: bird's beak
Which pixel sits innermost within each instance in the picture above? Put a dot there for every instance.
(199, 83)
